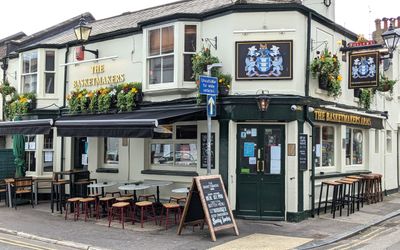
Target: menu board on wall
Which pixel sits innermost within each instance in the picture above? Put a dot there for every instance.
(303, 149)
(203, 163)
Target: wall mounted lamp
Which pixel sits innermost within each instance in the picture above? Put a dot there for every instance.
(82, 32)
(391, 38)
(263, 100)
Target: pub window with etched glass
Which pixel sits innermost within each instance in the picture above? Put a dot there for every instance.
(111, 150)
(190, 40)
(48, 152)
(30, 153)
(160, 56)
(49, 72)
(174, 147)
(354, 146)
(29, 72)
(325, 146)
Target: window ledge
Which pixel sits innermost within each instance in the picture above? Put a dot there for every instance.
(321, 91)
(323, 175)
(170, 172)
(107, 170)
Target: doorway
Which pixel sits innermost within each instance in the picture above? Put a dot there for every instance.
(80, 153)
(261, 172)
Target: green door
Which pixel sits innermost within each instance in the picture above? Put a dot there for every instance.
(260, 172)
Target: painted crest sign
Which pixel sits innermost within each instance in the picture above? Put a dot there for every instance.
(264, 60)
(364, 70)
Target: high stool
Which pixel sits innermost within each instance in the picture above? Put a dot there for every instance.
(347, 196)
(360, 189)
(81, 187)
(121, 206)
(75, 203)
(144, 205)
(112, 193)
(170, 206)
(146, 197)
(378, 187)
(104, 202)
(336, 186)
(86, 202)
(369, 188)
(177, 198)
(124, 199)
(58, 194)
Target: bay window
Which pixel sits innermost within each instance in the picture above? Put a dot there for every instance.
(354, 146)
(161, 55)
(29, 72)
(174, 147)
(325, 140)
(49, 73)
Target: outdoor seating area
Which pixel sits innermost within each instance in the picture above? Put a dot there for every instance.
(350, 193)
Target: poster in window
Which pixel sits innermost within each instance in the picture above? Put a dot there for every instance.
(48, 156)
(364, 70)
(264, 60)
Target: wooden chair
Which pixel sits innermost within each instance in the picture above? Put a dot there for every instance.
(22, 186)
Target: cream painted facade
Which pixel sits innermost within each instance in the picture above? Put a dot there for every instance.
(127, 56)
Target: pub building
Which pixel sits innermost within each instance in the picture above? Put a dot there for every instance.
(277, 134)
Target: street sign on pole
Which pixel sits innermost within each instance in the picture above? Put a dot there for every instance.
(208, 85)
(211, 106)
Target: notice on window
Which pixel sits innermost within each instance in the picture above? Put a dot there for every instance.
(26, 145)
(48, 156)
(167, 149)
(276, 152)
(248, 149)
(32, 145)
(318, 150)
(158, 148)
(252, 160)
(84, 159)
(254, 132)
(275, 166)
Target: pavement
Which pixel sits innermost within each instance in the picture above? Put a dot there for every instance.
(40, 224)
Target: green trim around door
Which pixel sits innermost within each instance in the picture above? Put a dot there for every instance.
(260, 192)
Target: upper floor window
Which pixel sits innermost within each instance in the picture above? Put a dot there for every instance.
(49, 72)
(190, 50)
(161, 55)
(29, 71)
(354, 146)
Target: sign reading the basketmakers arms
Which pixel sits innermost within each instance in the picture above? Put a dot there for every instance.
(364, 70)
(264, 60)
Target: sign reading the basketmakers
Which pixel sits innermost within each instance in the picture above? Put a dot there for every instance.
(364, 70)
(264, 60)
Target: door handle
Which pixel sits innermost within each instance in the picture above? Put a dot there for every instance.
(258, 166)
(262, 162)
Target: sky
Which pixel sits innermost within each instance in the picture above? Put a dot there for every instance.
(31, 16)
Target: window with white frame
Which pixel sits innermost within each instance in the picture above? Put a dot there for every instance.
(111, 150)
(48, 152)
(29, 72)
(354, 146)
(388, 141)
(30, 153)
(49, 72)
(174, 147)
(190, 40)
(160, 55)
(325, 144)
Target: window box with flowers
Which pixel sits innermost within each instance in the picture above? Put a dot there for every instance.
(20, 105)
(385, 85)
(224, 84)
(327, 67)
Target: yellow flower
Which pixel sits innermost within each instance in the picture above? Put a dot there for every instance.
(339, 78)
(220, 80)
(23, 100)
(134, 90)
(80, 95)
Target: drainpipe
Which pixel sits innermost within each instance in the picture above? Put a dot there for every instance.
(307, 118)
(308, 56)
(64, 104)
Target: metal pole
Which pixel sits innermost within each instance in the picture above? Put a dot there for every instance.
(208, 132)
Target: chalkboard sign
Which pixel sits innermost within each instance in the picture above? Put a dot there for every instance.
(204, 150)
(303, 149)
(207, 202)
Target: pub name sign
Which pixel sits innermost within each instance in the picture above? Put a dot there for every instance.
(322, 115)
(98, 80)
(364, 70)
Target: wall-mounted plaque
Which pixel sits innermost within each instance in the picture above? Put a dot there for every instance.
(264, 60)
(364, 70)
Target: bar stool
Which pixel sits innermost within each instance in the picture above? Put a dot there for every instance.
(336, 186)
(121, 206)
(360, 189)
(144, 205)
(369, 188)
(75, 203)
(146, 197)
(177, 198)
(81, 187)
(104, 202)
(58, 194)
(112, 193)
(349, 197)
(378, 186)
(86, 202)
(170, 206)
